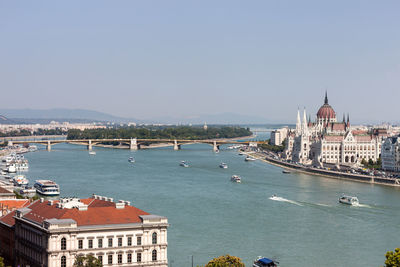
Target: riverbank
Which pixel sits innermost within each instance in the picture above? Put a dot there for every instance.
(326, 173)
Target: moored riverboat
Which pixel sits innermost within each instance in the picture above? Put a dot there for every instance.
(236, 179)
(47, 188)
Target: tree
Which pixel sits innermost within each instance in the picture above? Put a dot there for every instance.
(226, 261)
(87, 261)
(393, 258)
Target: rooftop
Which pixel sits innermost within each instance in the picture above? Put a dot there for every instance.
(85, 212)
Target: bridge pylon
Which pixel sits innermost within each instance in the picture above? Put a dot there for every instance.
(176, 146)
(215, 146)
(48, 147)
(90, 146)
(133, 144)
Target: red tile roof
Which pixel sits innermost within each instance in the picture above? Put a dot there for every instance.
(338, 126)
(14, 203)
(335, 138)
(359, 132)
(8, 219)
(99, 212)
(364, 138)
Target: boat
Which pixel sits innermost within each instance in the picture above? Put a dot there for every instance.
(12, 168)
(131, 159)
(47, 188)
(27, 191)
(217, 151)
(20, 180)
(184, 164)
(223, 165)
(349, 200)
(241, 154)
(264, 262)
(32, 148)
(92, 152)
(236, 179)
(285, 171)
(249, 159)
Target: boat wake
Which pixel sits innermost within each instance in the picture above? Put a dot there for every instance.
(363, 206)
(281, 199)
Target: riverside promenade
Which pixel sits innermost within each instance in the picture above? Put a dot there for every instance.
(326, 173)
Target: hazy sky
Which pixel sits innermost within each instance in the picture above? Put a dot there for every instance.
(148, 58)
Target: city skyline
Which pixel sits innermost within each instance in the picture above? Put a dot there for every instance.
(145, 60)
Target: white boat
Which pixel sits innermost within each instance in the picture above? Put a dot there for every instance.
(223, 165)
(184, 164)
(217, 151)
(47, 188)
(264, 262)
(236, 179)
(20, 180)
(27, 191)
(131, 159)
(249, 159)
(349, 200)
(92, 152)
(12, 168)
(32, 148)
(241, 154)
(24, 166)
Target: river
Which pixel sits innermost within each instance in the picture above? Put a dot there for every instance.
(210, 216)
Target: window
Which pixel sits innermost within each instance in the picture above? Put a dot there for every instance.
(129, 257)
(90, 243)
(129, 241)
(119, 241)
(154, 238)
(139, 241)
(100, 243)
(100, 259)
(139, 257)
(109, 259)
(80, 244)
(119, 258)
(63, 243)
(63, 261)
(154, 255)
(110, 243)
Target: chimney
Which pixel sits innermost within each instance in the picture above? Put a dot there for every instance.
(120, 205)
(41, 200)
(50, 202)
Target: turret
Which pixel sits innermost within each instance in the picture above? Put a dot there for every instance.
(298, 123)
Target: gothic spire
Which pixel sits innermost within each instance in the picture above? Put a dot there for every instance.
(344, 118)
(298, 122)
(326, 97)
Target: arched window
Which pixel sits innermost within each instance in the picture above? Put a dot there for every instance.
(63, 243)
(154, 255)
(154, 238)
(63, 261)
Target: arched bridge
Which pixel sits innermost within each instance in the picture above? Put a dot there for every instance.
(135, 143)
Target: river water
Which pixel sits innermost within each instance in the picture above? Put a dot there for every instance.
(210, 216)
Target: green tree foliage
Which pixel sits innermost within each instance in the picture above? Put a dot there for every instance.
(226, 261)
(1, 262)
(273, 148)
(87, 261)
(370, 164)
(182, 132)
(393, 258)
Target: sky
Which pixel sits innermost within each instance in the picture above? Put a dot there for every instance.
(149, 59)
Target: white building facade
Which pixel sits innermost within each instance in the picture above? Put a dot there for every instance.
(391, 154)
(52, 234)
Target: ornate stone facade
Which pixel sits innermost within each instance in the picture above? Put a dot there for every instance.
(328, 141)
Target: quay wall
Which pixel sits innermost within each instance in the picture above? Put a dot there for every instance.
(333, 174)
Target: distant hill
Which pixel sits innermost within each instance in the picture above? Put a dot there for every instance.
(60, 114)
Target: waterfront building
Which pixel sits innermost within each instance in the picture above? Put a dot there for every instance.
(328, 141)
(277, 136)
(391, 154)
(52, 233)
